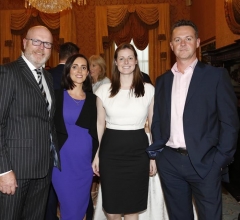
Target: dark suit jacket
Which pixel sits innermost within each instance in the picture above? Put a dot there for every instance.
(210, 119)
(87, 119)
(57, 73)
(25, 124)
(146, 78)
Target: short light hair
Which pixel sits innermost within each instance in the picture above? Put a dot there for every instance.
(101, 62)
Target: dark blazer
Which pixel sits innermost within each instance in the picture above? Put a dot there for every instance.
(87, 119)
(146, 78)
(57, 73)
(25, 123)
(210, 118)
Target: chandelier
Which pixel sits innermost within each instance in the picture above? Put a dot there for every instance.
(52, 6)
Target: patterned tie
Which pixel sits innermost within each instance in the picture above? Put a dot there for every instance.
(56, 161)
(39, 73)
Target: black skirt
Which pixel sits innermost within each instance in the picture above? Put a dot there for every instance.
(124, 171)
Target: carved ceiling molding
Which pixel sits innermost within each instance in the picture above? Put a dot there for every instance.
(232, 14)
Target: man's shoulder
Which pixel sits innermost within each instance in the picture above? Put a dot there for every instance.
(209, 69)
(165, 74)
(14, 67)
(14, 63)
(57, 69)
(146, 77)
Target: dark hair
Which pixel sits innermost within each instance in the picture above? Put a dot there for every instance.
(185, 23)
(67, 49)
(67, 82)
(137, 84)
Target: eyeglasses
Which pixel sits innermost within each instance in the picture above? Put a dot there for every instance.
(36, 42)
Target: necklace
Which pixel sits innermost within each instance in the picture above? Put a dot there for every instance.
(77, 102)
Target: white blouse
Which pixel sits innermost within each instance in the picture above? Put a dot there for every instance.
(124, 111)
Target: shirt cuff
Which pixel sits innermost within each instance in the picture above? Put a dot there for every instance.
(1, 174)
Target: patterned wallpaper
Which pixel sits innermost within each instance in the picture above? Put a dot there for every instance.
(85, 17)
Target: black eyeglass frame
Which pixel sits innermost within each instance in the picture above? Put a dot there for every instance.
(36, 42)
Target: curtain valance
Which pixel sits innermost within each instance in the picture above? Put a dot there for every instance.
(123, 22)
(20, 18)
(148, 14)
(146, 24)
(15, 24)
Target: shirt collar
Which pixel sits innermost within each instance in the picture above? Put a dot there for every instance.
(31, 67)
(192, 65)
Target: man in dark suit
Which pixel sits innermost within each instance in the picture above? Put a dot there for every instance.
(27, 150)
(66, 50)
(194, 129)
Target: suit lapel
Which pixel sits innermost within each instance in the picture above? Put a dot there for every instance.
(195, 83)
(168, 91)
(27, 73)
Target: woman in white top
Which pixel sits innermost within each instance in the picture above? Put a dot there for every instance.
(123, 106)
(97, 72)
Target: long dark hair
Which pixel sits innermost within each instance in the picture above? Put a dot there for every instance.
(137, 86)
(67, 82)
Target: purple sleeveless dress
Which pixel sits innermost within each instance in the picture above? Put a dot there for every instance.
(72, 184)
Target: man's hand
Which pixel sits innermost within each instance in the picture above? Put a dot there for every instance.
(152, 168)
(8, 183)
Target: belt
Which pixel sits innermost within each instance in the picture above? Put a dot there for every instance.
(180, 150)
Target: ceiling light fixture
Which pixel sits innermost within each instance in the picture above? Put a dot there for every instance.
(53, 6)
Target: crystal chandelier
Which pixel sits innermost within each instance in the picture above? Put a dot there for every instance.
(52, 6)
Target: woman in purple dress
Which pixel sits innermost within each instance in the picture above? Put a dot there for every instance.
(75, 121)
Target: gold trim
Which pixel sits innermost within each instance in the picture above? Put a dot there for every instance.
(230, 16)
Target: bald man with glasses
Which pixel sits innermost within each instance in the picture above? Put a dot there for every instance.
(28, 149)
